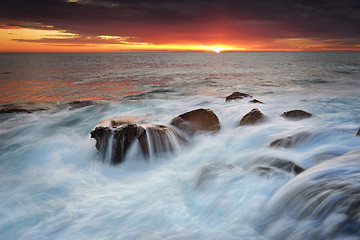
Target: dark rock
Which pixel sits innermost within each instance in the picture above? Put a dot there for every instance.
(296, 114)
(237, 95)
(113, 143)
(358, 133)
(326, 193)
(199, 120)
(252, 117)
(80, 104)
(272, 166)
(291, 141)
(256, 101)
(15, 110)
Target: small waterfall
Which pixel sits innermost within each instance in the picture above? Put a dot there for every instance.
(159, 139)
(109, 148)
(114, 142)
(320, 203)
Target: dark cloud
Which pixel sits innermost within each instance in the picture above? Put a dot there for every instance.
(211, 21)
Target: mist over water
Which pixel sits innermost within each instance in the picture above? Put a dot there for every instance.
(55, 186)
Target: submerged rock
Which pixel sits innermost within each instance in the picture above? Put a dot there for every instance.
(211, 171)
(256, 101)
(272, 166)
(296, 114)
(113, 143)
(199, 120)
(237, 95)
(291, 141)
(325, 197)
(252, 117)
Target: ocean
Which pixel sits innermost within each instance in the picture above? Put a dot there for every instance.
(228, 184)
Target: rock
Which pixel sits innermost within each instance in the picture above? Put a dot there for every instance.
(15, 110)
(80, 104)
(291, 141)
(158, 139)
(256, 101)
(237, 95)
(296, 114)
(113, 143)
(272, 166)
(199, 120)
(358, 133)
(252, 117)
(326, 195)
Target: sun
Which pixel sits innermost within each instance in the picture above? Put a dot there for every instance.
(217, 49)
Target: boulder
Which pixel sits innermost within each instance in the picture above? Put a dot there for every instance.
(256, 101)
(199, 120)
(113, 143)
(291, 141)
(236, 95)
(252, 117)
(296, 114)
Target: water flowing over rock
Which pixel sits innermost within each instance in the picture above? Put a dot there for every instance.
(113, 143)
(296, 114)
(212, 171)
(236, 95)
(326, 196)
(272, 166)
(252, 117)
(291, 141)
(199, 120)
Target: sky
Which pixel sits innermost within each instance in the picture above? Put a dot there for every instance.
(175, 25)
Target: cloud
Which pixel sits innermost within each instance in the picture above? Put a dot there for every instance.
(174, 21)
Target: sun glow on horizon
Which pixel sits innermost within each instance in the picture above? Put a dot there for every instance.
(51, 40)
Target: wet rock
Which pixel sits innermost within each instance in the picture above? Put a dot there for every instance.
(236, 95)
(159, 138)
(252, 117)
(326, 195)
(256, 101)
(199, 120)
(358, 133)
(272, 166)
(291, 141)
(15, 110)
(80, 104)
(113, 143)
(296, 114)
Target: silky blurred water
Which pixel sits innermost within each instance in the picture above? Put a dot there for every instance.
(53, 186)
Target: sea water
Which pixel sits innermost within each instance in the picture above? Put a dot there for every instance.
(53, 185)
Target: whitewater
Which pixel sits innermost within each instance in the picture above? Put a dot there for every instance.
(54, 184)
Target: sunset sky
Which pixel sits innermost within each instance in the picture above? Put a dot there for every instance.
(173, 25)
